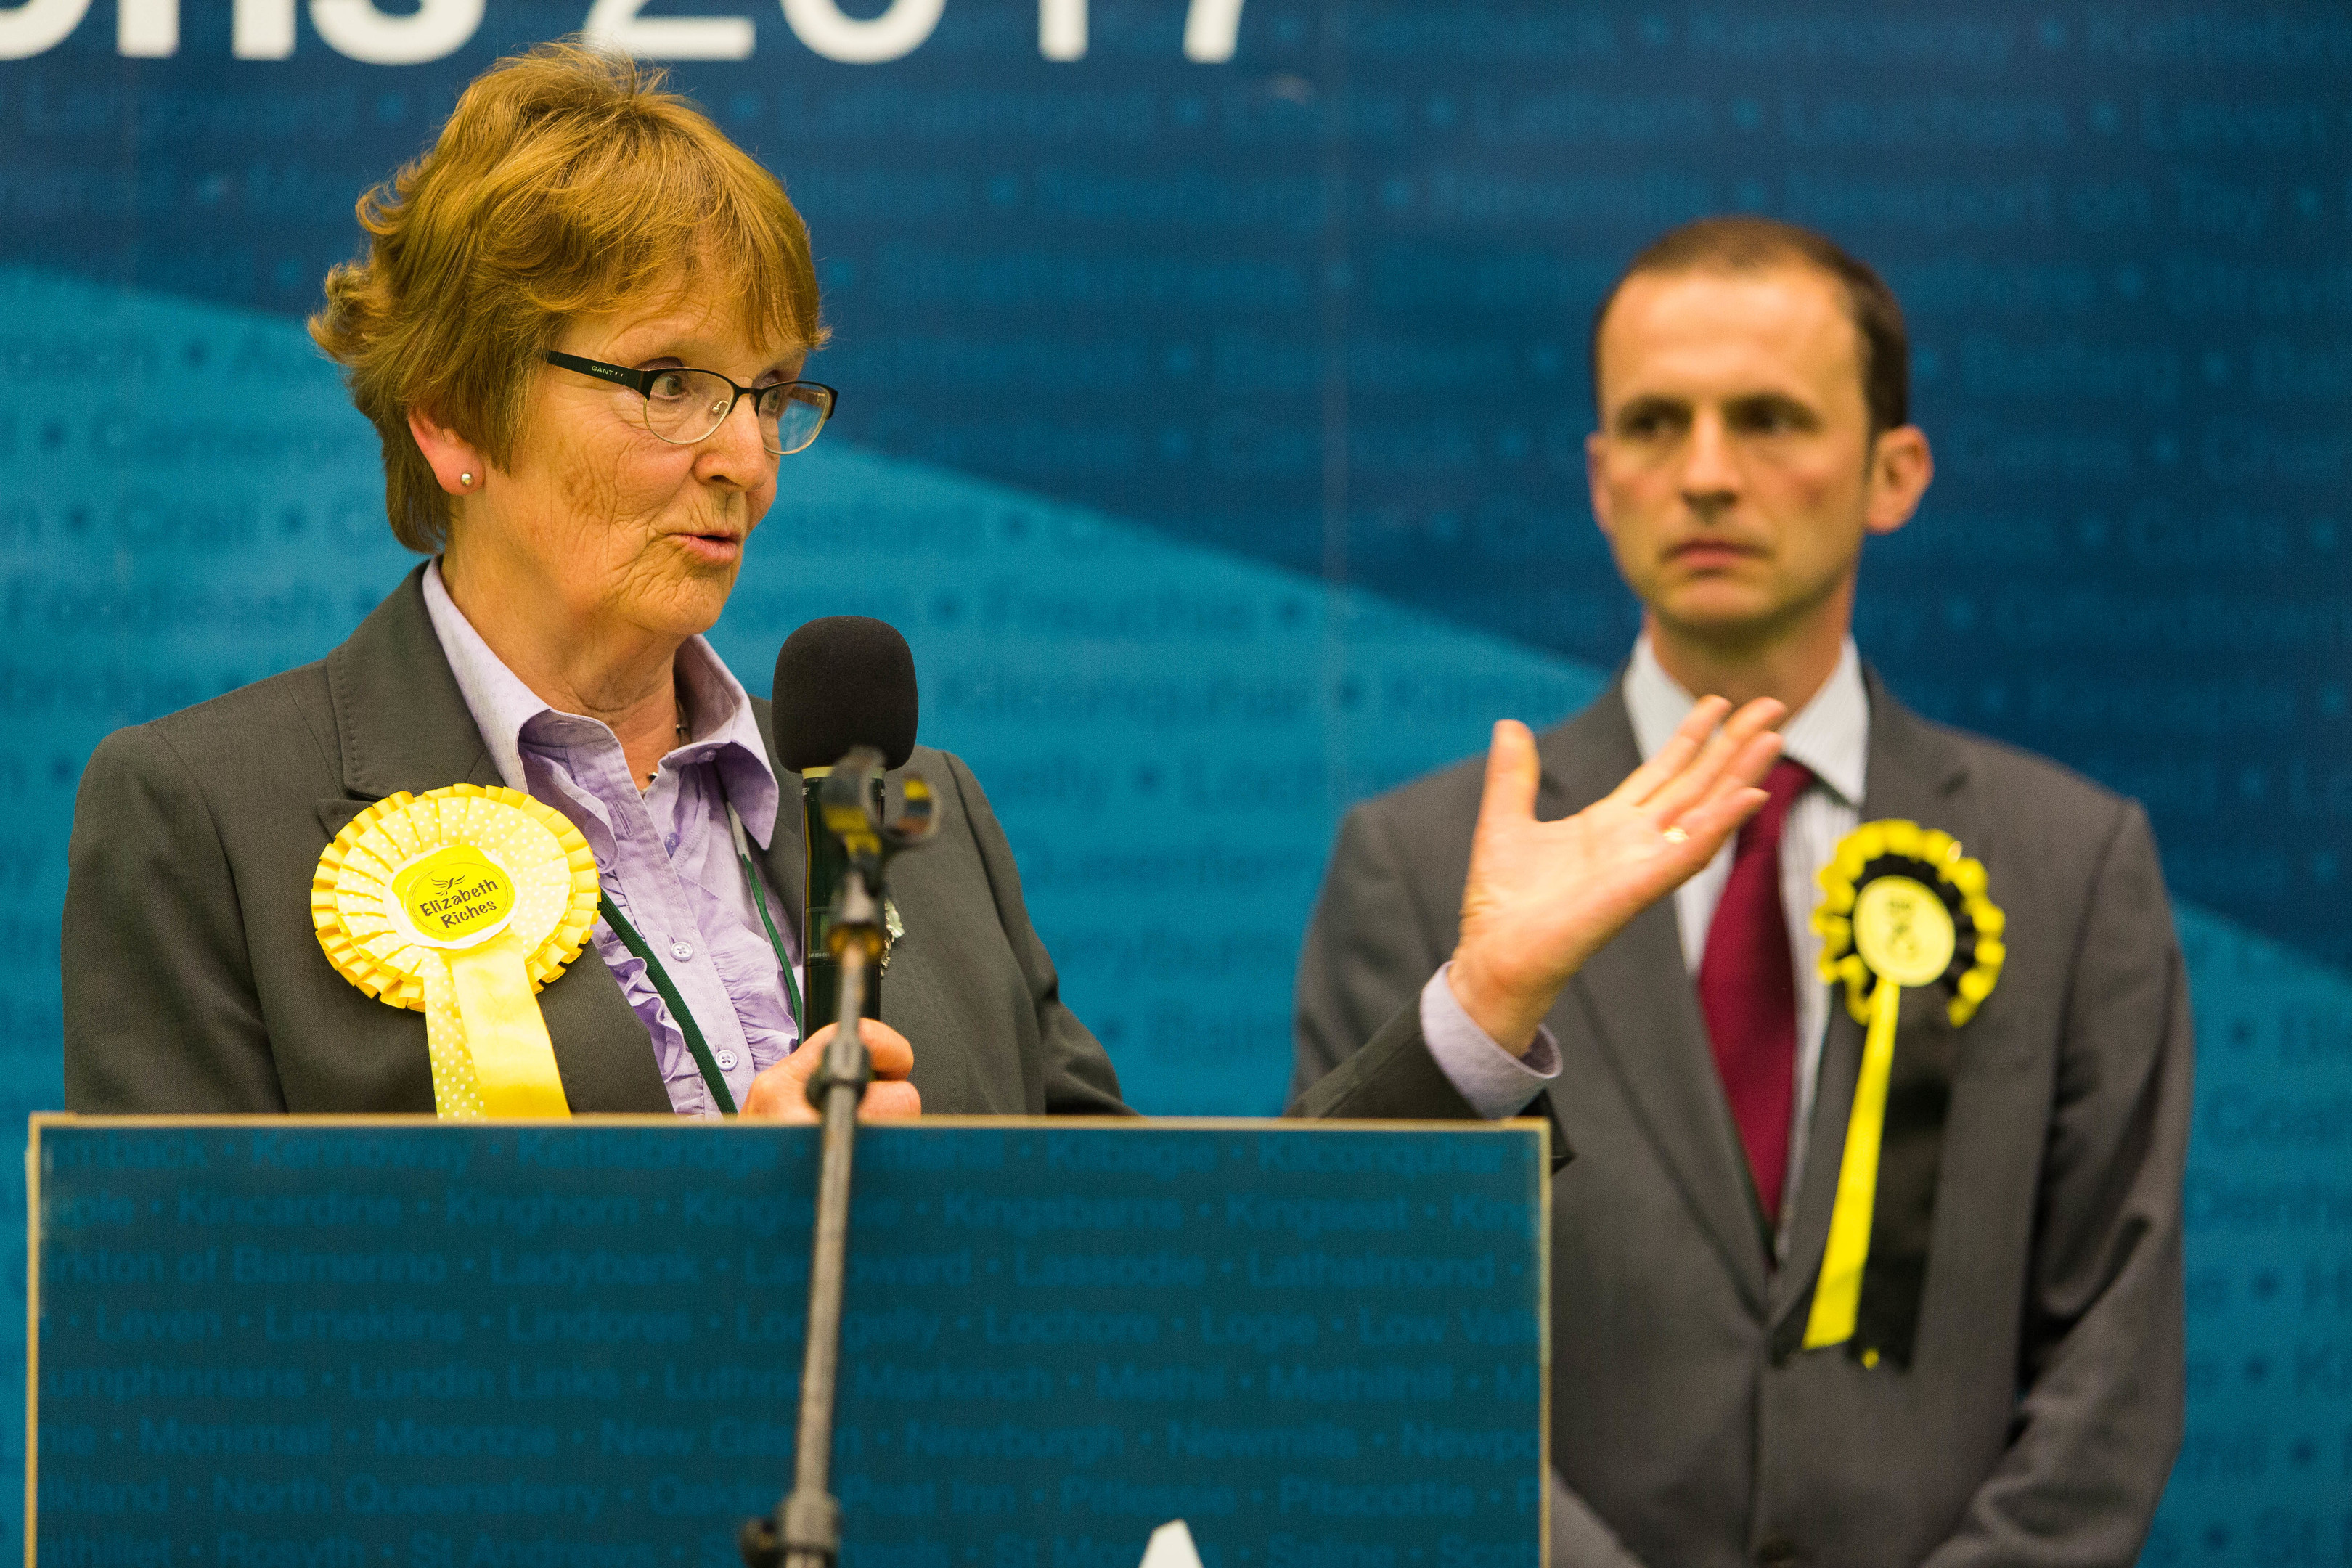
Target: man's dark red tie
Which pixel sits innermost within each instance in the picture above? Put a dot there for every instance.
(1748, 989)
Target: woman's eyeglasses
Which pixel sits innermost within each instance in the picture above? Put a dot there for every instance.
(683, 406)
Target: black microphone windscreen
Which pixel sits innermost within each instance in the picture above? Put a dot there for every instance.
(844, 681)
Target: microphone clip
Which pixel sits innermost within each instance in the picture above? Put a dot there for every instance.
(872, 834)
(858, 928)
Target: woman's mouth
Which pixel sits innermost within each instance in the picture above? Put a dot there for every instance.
(711, 549)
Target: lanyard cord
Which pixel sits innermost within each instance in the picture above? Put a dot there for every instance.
(703, 1060)
(783, 959)
(686, 1024)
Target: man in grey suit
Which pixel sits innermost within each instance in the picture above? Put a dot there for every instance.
(2014, 1394)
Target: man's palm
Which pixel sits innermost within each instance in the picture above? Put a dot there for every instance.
(1543, 897)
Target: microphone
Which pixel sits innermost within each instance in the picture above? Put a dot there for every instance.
(840, 683)
(844, 712)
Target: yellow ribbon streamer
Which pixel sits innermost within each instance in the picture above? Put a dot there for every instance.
(1838, 1296)
(1886, 923)
(462, 903)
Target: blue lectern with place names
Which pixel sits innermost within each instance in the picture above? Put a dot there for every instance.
(398, 1344)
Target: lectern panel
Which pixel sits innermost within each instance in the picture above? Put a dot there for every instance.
(415, 1346)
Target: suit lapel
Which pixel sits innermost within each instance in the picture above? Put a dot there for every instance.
(1637, 1000)
(786, 859)
(399, 716)
(402, 724)
(1916, 774)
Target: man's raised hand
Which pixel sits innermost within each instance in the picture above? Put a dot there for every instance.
(1543, 897)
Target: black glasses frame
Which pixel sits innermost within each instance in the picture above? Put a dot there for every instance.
(641, 381)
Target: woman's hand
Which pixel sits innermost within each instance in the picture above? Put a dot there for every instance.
(780, 1093)
(1543, 897)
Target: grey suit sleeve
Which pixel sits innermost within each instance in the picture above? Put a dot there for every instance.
(1359, 1051)
(1392, 1078)
(1579, 1537)
(1367, 956)
(1079, 1079)
(2100, 1418)
(161, 1010)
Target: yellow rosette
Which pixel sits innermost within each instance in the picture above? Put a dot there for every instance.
(1902, 907)
(462, 903)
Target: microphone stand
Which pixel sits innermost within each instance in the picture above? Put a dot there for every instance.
(805, 1530)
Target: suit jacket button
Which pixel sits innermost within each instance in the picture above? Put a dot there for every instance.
(1778, 1551)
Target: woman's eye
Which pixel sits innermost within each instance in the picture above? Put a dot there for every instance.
(667, 387)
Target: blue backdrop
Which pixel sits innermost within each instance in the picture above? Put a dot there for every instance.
(1214, 392)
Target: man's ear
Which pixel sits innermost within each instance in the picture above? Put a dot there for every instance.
(1901, 464)
(456, 462)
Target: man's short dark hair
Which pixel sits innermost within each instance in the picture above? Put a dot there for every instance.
(1744, 244)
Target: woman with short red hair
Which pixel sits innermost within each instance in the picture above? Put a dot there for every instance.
(579, 329)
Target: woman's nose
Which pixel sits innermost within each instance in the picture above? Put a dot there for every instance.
(738, 444)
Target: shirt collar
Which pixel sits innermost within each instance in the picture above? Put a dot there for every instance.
(1830, 734)
(727, 732)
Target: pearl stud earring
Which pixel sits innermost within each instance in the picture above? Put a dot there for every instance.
(465, 478)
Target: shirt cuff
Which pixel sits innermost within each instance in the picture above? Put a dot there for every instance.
(1496, 1083)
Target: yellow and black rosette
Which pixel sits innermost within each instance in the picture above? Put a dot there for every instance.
(462, 903)
(1903, 908)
